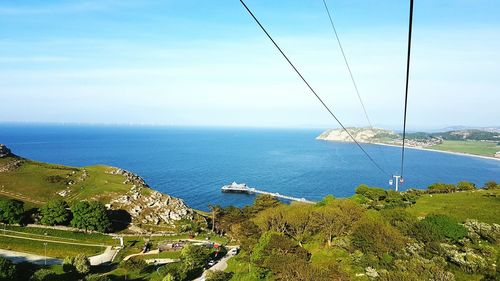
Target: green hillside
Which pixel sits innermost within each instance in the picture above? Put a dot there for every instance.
(36, 182)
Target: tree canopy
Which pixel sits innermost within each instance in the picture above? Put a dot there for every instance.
(90, 216)
(11, 211)
(55, 212)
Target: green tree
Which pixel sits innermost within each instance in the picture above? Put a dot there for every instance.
(263, 202)
(69, 264)
(55, 212)
(219, 275)
(82, 264)
(300, 223)
(173, 272)
(215, 210)
(465, 185)
(247, 233)
(7, 269)
(90, 216)
(337, 219)
(134, 264)
(491, 185)
(194, 258)
(276, 252)
(97, 277)
(373, 235)
(11, 211)
(43, 275)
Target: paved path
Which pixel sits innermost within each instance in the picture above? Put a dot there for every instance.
(18, 257)
(106, 257)
(220, 265)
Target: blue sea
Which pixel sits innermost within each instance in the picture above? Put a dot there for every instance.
(193, 163)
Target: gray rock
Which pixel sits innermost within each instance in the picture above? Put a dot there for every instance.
(4, 151)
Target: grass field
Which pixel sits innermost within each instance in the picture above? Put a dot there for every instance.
(56, 250)
(484, 148)
(59, 235)
(462, 205)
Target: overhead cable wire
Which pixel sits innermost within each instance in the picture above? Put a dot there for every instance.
(370, 124)
(347, 63)
(408, 56)
(311, 89)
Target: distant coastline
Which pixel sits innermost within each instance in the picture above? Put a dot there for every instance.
(442, 151)
(473, 143)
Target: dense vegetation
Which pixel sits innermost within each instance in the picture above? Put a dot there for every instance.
(85, 215)
(473, 135)
(446, 232)
(373, 235)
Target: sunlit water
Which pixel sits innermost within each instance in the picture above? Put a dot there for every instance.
(193, 163)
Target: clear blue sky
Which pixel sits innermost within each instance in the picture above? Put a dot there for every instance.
(206, 62)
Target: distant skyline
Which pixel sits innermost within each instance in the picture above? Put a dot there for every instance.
(199, 63)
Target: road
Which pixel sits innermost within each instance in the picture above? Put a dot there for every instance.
(220, 265)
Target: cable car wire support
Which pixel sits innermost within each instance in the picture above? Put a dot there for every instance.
(370, 124)
(311, 89)
(408, 56)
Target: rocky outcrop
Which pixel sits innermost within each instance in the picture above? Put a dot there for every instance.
(481, 230)
(148, 206)
(4, 151)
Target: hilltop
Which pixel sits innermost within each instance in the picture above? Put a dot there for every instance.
(467, 141)
(36, 183)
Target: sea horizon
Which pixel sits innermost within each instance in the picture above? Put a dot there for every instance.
(194, 163)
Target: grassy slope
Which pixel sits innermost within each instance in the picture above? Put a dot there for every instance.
(29, 182)
(472, 147)
(54, 249)
(462, 205)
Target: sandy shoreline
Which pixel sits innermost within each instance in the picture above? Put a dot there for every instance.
(442, 151)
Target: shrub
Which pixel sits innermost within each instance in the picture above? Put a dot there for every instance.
(491, 185)
(134, 264)
(362, 189)
(69, 264)
(97, 277)
(465, 185)
(43, 275)
(373, 235)
(441, 188)
(173, 272)
(445, 226)
(82, 264)
(219, 276)
(7, 269)
(400, 219)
